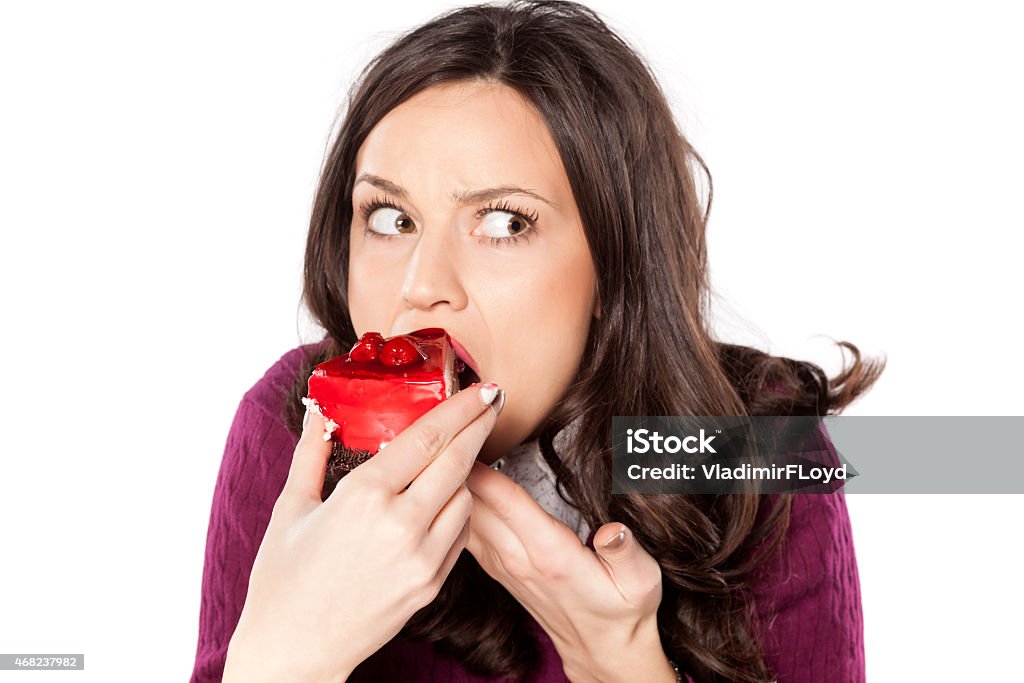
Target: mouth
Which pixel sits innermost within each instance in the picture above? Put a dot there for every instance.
(465, 366)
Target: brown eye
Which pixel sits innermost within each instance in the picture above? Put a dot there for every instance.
(388, 221)
(503, 224)
(404, 224)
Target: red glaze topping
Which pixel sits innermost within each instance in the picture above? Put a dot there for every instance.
(367, 349)
(382, 386)
(401, 351)
(428, 333)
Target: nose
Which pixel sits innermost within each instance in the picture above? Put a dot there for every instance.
(432, 276)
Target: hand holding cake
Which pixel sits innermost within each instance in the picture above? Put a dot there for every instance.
(381, 545)
(381, 386)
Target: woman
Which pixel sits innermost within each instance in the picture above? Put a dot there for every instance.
(514, 175)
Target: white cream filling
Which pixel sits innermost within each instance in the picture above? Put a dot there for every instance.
(329, 425)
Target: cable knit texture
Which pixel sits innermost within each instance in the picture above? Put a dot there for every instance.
(808, 600)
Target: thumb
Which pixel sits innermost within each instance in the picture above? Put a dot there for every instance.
(309, 461)
(635, 573)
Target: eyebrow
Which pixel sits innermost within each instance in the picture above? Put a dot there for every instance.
(458, 196)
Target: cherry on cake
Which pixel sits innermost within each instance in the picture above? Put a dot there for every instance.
(381, 386)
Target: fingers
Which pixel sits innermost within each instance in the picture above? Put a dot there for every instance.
(447, 537)
(449, 523)
(496, 549)
(636, 574)
(452, 557)
(425, 440)
(449, 470)
(516, 509)
(309, 463)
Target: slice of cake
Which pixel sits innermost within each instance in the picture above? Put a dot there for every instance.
(381, 386)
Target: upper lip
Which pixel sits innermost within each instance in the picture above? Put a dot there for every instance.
(464, 355)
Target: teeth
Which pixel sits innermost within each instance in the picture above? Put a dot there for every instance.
(465, 375)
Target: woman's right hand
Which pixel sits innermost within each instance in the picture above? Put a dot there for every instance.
(334, 581)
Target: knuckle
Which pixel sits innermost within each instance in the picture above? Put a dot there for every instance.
(424, 572)
(516, 566)
(395, 529)
(424, 595)
(407, 520)
(464, 499)
(450, 470)
(433, 587)
(553, 566)
(428, 441)
(372, 495)
(502, 505)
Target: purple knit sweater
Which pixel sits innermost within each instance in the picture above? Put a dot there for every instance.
(808, 599)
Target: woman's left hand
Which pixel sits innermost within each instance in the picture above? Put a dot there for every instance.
(600, 609)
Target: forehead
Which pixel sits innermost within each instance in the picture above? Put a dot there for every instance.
(465, 135)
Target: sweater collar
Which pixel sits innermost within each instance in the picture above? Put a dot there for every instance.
(526, 465)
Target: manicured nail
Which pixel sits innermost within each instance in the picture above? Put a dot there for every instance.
(499, 402)
(615, 541)
(305, 419)
(488, 392)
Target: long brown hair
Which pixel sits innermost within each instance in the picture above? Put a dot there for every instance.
(651, 353)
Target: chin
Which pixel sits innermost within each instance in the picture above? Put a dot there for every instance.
(505, 437)
(491, 451)
(496, 446)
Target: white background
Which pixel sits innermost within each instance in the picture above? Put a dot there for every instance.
(157, 168)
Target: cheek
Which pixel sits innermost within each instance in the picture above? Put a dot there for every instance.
(544, 320)
(564, 296)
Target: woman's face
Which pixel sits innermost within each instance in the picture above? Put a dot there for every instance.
(486, 241)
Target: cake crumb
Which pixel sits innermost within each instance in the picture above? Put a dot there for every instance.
(329, 427)
(312, 405)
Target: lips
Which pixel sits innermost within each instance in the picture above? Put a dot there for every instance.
(471, 373)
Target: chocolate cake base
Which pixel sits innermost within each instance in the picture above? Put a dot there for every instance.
(342, 461)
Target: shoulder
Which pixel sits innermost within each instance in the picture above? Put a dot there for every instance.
(816, 553)
(273, 389)
(807, 596)
(259, 441)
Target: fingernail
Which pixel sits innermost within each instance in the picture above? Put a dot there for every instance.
(488, 392)
(309, 403)
(615, 541)
(499, 402)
